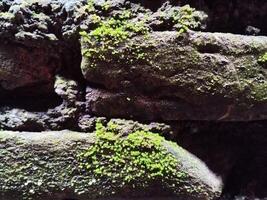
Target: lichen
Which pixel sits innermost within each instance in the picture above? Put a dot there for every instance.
(259, 92)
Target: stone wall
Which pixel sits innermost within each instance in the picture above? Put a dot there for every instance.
(149, 66)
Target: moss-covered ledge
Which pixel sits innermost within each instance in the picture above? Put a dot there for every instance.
(72, 165)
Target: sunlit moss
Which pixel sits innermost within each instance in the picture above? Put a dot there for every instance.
(138, 160)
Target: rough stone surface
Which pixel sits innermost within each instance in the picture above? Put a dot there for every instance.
(199, 76)
(40, 20)
(45, 165)
(62, 116)
(25, 66)
(184, 75)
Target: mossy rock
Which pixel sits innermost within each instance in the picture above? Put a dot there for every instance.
(204, 76)
(72, 165)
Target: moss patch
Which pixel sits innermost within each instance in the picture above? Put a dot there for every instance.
(185, 19)
(7, 16)
(138, 160)
(110, 33)
(263, 59)
(109, 37)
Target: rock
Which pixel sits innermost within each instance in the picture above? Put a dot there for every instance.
(167, 15)
(194, 76)
(20, 119)
(67, 89)
(123, 127)
(22, 66)
(250, 30)
(39, 165)
(154, 70)
(41, 20)
(64, 113)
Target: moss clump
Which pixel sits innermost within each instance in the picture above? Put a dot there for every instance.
(137, 160)
(107, 37)
(185, 18)
(7, 16)
(259, 92)
(263, 59)
(110, 33)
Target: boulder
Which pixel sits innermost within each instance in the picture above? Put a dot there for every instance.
(191, 76)
(50, 165)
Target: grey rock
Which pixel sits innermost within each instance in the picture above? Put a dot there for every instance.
(41, 18)
(251, 30)
(47, 165)
(195, 76)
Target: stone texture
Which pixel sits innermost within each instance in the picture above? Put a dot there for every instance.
(22, 66)
(196, 76)
(40, 20)
(62, 116)
(45, 165)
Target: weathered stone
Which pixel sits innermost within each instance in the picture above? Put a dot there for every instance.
(22, 66)
(195, 76)
(40, 20)
(165, 77)
(46, 165)
(60, 116)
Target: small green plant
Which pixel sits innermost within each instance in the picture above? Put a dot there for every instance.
(90, 6)
(106, 5)
(184, 19)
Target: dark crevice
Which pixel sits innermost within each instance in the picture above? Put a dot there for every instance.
(232, 16)
(33, 103)
(208, 48)
(4, 6)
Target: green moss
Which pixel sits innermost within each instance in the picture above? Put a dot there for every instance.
(109, 39)
(90, 6)
(259, 92)
(111, 32)
(7, 16)
(263, 59)
(184, 19)
(137, 160)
